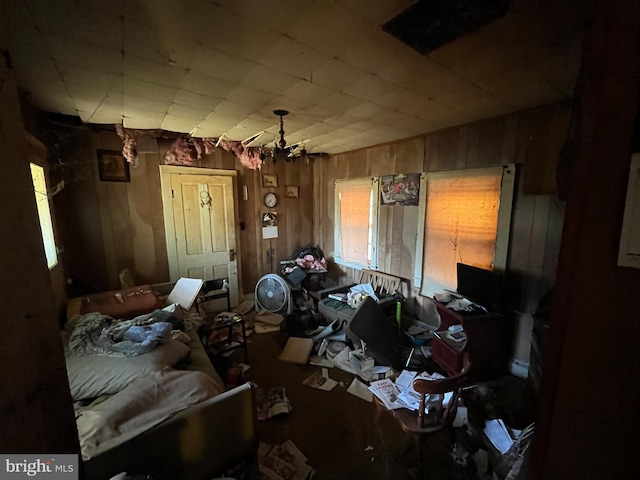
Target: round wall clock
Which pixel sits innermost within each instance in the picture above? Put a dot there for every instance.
(270, 199)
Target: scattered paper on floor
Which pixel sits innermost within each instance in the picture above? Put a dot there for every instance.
(359, 389)
(284, 462)
(319, 381)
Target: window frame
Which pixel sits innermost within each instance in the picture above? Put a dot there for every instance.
(374, 212)
(50, 251)
(505, 208)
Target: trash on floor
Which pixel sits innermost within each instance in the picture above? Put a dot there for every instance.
(320, 380)
(274, 404)
(283, 462)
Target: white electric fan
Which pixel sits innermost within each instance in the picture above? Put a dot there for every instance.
(273, 294)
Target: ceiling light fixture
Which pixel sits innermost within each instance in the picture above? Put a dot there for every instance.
(280, 151)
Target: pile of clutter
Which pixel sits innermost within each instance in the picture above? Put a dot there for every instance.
(307, 259)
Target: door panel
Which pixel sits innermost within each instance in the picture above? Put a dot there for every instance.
(203, 212)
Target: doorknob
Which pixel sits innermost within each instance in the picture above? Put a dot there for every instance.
(232, 255)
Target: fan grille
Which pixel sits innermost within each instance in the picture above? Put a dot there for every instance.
(271, 294)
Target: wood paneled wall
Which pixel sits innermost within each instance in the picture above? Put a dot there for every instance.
(36, 411)
(537, 217)
(109, 226)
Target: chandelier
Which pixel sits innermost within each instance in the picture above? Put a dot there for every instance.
(280, 151)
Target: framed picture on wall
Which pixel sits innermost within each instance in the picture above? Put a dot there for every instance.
(402, 189)
(269, 180)
(112, 166)
(291, 191)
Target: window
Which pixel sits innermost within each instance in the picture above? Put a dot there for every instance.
(356, 222)
(465, 219)
(44, 214)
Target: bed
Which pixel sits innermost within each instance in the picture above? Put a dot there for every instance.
(162, 411)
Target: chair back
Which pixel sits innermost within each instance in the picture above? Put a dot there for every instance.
(214, 289)
(433, 411)
(381, 282)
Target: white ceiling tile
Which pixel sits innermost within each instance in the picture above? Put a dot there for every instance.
(198, 83)
(294, 58)
(153, 91)
(374, 51)
(366, 111)
(196, 100)
(308, 92)
(377, 12)
(249, 96)
(36, 68)
(398, 99)
(318, 113)
(337, 74)
(176, 123)
(410, 71)
(106, 114)
(154, 73)
(370, 87)
(190, 19)
(87, 76)
(52, 93)
(143, 120)
(340, 121)
(136, 103)
(220, 65)
(240, 36)
(269, 80)
(330, 28)
(156, 46)
(26, 41)
(197, 114)
(328, 63)
(230, 113)
(82, 54)
(78, 22)
(212, 128)
(277, 16)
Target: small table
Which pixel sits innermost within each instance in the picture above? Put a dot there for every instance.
(217, 341)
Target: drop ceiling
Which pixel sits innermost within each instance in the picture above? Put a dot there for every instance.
(220, 68)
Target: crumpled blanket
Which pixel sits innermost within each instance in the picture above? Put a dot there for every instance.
(97, 334)
(146, 402)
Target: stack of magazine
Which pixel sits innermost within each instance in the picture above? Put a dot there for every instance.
(401, 394)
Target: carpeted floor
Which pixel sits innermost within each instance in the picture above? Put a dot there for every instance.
(337, 433)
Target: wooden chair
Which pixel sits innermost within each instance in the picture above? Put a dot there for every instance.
(433, 415)
(214, 289)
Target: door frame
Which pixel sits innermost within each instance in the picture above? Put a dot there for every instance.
(167, 209)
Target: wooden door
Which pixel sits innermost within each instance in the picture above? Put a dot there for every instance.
(203, 242)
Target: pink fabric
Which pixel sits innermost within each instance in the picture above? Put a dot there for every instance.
(130, 139)
(249, 157)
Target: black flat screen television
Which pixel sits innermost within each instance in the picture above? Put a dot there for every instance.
(481, 286)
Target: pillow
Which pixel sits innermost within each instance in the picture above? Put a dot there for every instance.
(92, 375)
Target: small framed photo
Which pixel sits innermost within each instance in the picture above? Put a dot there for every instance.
(291, 191)
(112, 166)
(269, 180)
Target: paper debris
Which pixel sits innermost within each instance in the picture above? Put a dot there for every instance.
(359, 389)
